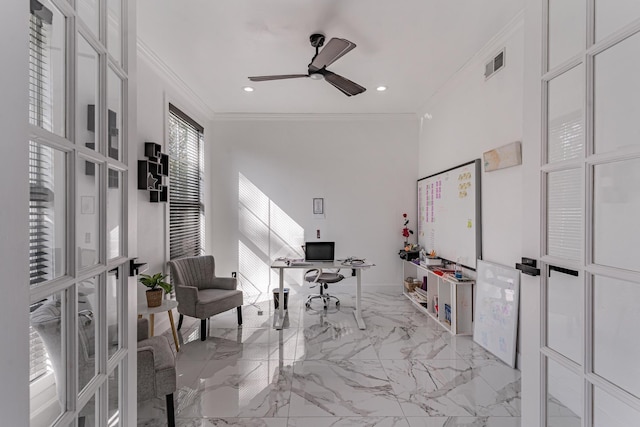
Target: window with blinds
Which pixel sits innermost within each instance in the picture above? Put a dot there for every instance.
(39, 66)
(41, 162)
(186, 208)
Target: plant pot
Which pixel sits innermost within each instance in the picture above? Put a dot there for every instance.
(154, 298)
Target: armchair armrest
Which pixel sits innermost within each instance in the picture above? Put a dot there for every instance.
(229, 283)
(146, 372)
(187, 297)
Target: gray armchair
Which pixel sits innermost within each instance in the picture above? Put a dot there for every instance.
(200, 293)
(156, 369)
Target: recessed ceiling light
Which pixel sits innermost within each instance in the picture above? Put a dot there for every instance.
(381, 88)
(247, 89)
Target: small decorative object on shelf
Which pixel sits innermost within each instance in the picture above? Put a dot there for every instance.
(156, 285)
(406, 232)
(151, 172)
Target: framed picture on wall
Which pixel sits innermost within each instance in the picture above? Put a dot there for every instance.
(318, 206)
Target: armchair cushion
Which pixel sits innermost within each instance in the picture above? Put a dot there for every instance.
(214, 301)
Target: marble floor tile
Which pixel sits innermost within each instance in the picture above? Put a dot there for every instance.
(241, 388)
(329, 341)
(253, 343)
(464, 421)
(403, 370)
(231, 422)
(348, 422)
(445, 388)
(342, 388)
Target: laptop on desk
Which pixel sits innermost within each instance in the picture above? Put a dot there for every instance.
(319, 252)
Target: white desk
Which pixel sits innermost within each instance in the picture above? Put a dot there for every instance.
(167, 305)
(281, 266)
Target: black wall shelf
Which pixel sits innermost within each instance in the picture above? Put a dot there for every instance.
(151, 172)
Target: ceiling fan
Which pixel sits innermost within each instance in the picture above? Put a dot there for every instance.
(334, 50)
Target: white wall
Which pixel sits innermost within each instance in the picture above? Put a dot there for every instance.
(14, 192)
(155, 91)
(364, 167)
(470, 116)
(156, 88)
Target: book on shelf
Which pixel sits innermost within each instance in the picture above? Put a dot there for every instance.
(421, 292)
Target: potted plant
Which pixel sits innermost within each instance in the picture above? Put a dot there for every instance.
(156, 285)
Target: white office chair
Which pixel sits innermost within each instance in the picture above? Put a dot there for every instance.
(322, 278)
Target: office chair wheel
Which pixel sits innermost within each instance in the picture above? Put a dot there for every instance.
(337, 303)
(308, 305)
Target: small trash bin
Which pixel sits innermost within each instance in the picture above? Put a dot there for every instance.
(276, 297)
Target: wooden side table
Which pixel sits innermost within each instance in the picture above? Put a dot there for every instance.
(167, 305)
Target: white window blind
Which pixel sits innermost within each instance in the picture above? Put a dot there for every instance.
(186, 209)
(40, 173)
(564, 214)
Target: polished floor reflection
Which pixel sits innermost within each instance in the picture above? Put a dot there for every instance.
(322, 371)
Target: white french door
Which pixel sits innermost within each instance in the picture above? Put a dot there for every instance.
(590, 205)
(80, 355)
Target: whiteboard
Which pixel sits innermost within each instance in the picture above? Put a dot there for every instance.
(496, 321)
(449, 218)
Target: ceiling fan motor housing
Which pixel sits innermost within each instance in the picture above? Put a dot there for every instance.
(317, 40)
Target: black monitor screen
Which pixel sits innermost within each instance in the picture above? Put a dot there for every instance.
(319, 251)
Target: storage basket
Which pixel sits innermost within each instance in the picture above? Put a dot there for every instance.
(410, 285)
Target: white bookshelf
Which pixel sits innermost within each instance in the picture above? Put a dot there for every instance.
(457, 294)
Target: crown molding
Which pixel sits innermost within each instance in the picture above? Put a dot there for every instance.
(313, 117)
(146, 53)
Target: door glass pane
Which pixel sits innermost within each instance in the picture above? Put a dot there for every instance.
(87, 114)
(88, 415)
(609, 411)
(564, 214)
(567, 23)
(47, 362)
(614, 14)
(47, 213)
(113, 320)
(565, 134)
(615, 332)
(87, 330)
(89, 10)
(616, 106)
(564, 396)
(115, 413)
(47, 55)
(87, 213)
(114, 214)
(114, 29)
(615, 214)
(564, 314)
(114, 124)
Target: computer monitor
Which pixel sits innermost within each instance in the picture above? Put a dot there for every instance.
(319, 251)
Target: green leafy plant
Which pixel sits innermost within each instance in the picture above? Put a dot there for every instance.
(155, 281)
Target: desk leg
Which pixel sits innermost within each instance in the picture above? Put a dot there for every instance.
(173, 329)
(152, 321)
(358, 312)
(280, 314)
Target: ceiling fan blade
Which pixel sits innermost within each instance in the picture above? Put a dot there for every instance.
(347, 87)
(277, 77)
(332, 51)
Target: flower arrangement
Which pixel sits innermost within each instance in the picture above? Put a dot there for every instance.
(406, 232)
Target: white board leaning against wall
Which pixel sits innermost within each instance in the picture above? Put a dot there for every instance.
(496, 321)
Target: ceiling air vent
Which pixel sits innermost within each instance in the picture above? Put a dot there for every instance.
(495, 65)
